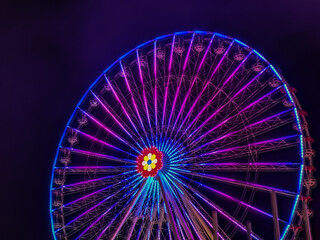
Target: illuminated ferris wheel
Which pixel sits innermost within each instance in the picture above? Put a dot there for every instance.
(192, 135)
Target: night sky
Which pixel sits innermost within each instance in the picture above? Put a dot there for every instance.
(52, 51)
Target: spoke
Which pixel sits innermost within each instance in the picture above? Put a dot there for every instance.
(221, 211)
(129, 209)
(176, 209)
(181, 78)
(193, 81)
(207, 84)
(109, 130)
(115, 117)
(99, 155)
(239, 183)
(167, 86)
(233, 199)
(155, 90)
(257, 147)
(133, 100)
(89, 182)
(262, 126)
(100, 190)
(226, 120)
(96, 169)
(108, 210)
(122, 106)
(220, 89)
(143, 89)
(98, 204)
(239, 167)
(102, 142)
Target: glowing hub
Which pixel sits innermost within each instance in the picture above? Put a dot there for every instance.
(149, 162)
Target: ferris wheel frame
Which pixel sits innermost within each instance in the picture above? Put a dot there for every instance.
(304, 190)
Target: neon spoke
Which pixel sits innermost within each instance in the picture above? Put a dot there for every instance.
(99, 155)
(115, 118)
(101, 142)
(109, 130)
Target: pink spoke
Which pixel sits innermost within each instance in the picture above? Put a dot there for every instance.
(239, 183)
(109, 130)
(193, 81)
(213, 114)
(206, 85)
(102, 142)
(167, 85)
(181, 78)
(143, 89)
(115, 118)
(99, 155)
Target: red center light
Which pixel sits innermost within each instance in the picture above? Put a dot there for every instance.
(149, 162)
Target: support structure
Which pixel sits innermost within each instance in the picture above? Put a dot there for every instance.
(274, 207)
(166, 202)
(129, 210)
(249, 230)
(215, 225)
(306, 220)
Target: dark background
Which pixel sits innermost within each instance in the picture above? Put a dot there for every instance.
(51, 52)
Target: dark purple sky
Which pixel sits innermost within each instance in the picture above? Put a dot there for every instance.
(51, 52)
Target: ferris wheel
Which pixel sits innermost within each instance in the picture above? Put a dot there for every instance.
(193, 135)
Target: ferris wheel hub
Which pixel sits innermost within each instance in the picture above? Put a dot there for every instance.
(149, 162)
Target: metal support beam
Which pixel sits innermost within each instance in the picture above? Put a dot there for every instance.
(307, 226)
(171, 220)
(129, 209)
(133, 224)
(249, 230)
(215, 225)
(274, 207)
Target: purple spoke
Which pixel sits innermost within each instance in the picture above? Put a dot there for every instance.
(234, 199)
(193, 81)
(103, 189)
(233, 97)
(99, 155)
(96, 205)
(239, 183)
(167, 85)
(143, 89)
(116, 119)
(93, 180)
(109, 130)
(254, 166)
(261, 146)
(229, 118)
(95, 169)
(102, 142)
(133, 100)
(155, 89)
(107, 211)
(220, 89)
(241, 130)
(220, 210)
(132, 204)
(121, 104)
(181, 78)
(207, 84)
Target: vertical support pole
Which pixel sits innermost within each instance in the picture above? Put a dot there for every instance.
(171, 220)
(129, 210)
(249, 230)
(215, 225)
(307, 227)
(274, 207)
